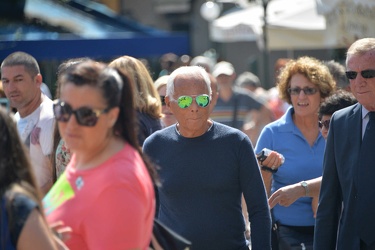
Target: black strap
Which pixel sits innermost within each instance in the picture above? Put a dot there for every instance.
(168, 239)
(235, 110)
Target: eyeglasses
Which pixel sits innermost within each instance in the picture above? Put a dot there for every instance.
(85, 116)
(325, 124)
(185, 101)
(162, 99)
(369, 73)
(307, 91)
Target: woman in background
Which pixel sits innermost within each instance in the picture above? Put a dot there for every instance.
(146, 98)
(160, 84)
(304, 83)
(106, 193)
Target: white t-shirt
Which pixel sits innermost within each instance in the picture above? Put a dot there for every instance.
(36, 131)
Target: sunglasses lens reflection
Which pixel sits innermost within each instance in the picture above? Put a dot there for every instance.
(184, 101)
(202, 100)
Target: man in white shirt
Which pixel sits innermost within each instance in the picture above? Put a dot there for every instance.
(21, 79)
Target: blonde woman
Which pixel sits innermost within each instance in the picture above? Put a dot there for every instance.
(146, 98)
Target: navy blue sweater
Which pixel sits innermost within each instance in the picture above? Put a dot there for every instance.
(202, 182)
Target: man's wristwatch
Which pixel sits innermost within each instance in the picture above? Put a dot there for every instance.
(305, 186)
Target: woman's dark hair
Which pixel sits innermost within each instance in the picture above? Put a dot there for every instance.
(16, 173)
(15, 166)
(117, 90)
(338, 100)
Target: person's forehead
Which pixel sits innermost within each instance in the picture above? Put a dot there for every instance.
(13, 71)
(162, 90)
(362, 61)
(298, 80)
(73, 94)
(189, 82)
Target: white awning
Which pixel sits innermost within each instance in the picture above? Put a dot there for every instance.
(292, 24)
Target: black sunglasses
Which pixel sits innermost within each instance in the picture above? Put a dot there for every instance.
(85, 116)
(162, 99)
(369, 73)
(307, 91)
(325, 124)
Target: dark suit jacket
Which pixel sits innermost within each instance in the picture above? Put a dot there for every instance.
(342, 190)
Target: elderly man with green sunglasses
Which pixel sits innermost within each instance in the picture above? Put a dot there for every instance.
(205, 167)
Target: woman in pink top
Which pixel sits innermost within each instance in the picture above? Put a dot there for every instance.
(106, 194)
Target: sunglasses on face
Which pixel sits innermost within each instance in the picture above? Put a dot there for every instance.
(324, 124)
(369, 73)
(85, 116)
(162, 99)
(185, 101)
(297, 91)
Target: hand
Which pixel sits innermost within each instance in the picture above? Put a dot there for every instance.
(61, 231)
(286, 196)
(314, 204)
(274, 160)
(248, 233)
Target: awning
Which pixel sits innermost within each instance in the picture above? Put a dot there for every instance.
(89, 30)
(292, 24)
(99, 48)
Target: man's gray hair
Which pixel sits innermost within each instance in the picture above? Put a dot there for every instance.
(194, 72)
(21, 58)
(361, 47)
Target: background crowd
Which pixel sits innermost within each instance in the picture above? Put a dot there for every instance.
(92, 165)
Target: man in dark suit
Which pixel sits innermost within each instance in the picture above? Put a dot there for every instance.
(345, 217)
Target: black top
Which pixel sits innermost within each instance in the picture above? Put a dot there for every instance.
(147, 126)
(14, 216)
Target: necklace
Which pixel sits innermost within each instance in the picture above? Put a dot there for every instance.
(209, 123)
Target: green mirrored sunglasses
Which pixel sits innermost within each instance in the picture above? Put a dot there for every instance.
(185, 101)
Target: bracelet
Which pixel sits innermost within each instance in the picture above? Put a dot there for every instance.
(264, 168)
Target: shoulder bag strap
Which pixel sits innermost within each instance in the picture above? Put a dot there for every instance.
(235, 110)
